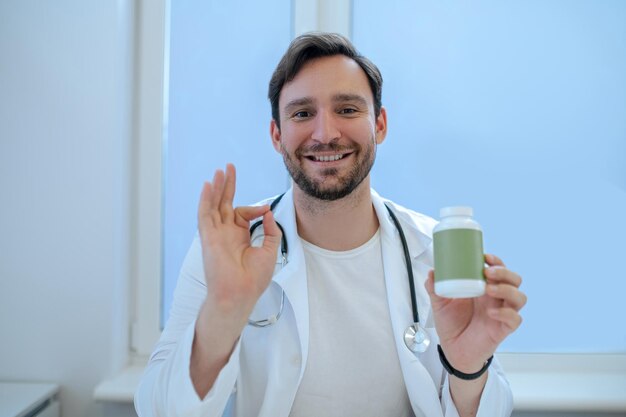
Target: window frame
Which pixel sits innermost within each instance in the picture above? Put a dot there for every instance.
(150, 132)
(151, 127)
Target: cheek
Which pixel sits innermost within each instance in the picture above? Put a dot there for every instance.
(289, 140)
(287, 149)
(367, 136)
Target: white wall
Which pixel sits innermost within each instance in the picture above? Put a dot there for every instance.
(65, 145)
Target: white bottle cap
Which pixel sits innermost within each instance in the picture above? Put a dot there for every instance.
(456, 211)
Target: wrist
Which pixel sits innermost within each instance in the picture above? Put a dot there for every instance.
(466, 372)
(462, 359)
(217, 328)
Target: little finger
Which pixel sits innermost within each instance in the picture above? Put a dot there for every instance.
(204, 214)
(205, 219)
(509, 318)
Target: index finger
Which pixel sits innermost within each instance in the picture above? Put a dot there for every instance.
(503, 275)
(493, 260)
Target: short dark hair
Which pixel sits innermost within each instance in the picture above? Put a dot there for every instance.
(314, 45)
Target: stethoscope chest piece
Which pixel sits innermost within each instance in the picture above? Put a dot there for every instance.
(416, 338)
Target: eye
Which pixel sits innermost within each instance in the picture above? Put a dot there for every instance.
(302, 114)
(347, 110)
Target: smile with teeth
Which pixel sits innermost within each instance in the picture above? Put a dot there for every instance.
(327, 158)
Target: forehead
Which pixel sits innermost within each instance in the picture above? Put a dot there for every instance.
(326, 77)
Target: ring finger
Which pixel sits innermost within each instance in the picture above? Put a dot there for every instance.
(509, 294)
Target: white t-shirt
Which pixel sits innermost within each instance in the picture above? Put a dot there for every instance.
(352, 367)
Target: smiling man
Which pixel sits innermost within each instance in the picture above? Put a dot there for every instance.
(306, 317)
(327, 100)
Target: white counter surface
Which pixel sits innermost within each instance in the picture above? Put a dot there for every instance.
(19, 398)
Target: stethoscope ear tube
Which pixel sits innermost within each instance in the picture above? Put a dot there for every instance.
(283, 250)
(272, 319)
(283, 239)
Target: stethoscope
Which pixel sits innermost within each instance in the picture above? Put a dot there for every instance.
(416, 338)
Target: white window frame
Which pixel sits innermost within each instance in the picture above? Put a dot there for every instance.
(151, 98)
(151, 132)
(534, 377)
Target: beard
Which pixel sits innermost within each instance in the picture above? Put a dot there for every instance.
(344, 184)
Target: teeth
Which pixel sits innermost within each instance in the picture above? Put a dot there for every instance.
(328, 158)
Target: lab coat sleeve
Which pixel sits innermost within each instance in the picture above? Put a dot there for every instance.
(495, 401)
(166, 389)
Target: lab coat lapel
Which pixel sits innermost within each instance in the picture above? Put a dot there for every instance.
(282, 379)
(293, 278)
(421, 389)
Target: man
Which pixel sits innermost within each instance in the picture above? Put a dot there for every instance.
(327, 327)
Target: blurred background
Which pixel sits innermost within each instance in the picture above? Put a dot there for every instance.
(112, 113)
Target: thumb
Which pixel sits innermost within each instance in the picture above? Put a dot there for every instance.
(430, 287)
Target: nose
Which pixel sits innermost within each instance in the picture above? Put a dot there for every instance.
(325, 129)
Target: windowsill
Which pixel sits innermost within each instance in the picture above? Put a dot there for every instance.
(120, 388)
(598, 384)
(566, 382)
(568, 392)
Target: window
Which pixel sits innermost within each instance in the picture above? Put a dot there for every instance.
(222, 55)
(514, 110)
(517, 110)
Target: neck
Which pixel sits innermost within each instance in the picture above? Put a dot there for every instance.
(338, 225)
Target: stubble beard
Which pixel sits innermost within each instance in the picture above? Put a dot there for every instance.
(345, 185)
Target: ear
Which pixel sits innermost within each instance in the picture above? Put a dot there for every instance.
(381, 126)
(275, 135)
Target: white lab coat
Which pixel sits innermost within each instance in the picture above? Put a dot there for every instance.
(264, 371)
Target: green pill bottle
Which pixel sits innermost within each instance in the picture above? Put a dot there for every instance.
(459, 260)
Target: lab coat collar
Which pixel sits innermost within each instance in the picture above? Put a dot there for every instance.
(418, 235)
(293, 280)
(418, 242)
(424, 397)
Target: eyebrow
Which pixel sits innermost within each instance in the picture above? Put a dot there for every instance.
(304, 101)
(347, 97)
(337, 98)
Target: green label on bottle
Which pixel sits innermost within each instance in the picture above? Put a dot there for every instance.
(458, 254)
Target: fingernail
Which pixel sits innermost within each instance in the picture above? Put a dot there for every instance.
(492, 289)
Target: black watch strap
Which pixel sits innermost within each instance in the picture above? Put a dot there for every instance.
(462, 375)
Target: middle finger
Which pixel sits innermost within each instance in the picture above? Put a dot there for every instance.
(500, 274)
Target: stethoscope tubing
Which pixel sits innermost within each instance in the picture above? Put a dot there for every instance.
(283, 240)
(415, 337)
(407, 260)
